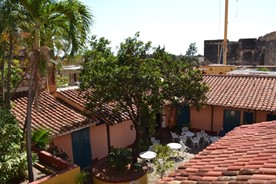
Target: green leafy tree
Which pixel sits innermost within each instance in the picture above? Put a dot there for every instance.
(192, 50)
(50, 20)
(139, 81)
(11, 20)
(190, 55)
(12, 159)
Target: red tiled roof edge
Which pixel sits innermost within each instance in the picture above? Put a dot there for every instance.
(53, 114)
(242, 91)
(75, 98)
(244, 155)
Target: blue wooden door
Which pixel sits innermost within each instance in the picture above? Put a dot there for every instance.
(271, 117)
(248, 117)
(231, 119)
(81, 147)
(183, 116)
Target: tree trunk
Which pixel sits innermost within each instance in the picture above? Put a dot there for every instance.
(136, 145)
(3, 82)
(28, 121)
(31, 94)
(8, 96)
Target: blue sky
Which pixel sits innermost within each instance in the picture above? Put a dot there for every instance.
(177, 23)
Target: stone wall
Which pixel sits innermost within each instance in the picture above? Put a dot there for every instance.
(246, 51)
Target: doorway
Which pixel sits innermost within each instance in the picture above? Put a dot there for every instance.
(231, 119)
(81, 147)
(183, 116)
(248, 117)
(271, 117)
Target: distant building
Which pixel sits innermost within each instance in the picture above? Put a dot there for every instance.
(73, 72)
(246, 51)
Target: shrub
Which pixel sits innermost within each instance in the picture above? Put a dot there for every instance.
(13, 161)
(82, 177)
(162, 161)
(120, 158)
(41, 138)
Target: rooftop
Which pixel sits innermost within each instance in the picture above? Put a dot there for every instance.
(247, 71)
(109, 114)
(244, 155)
(52, 114)
(253, 92)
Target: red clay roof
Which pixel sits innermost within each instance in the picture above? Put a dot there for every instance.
(247, 154)
(108, 115)
(233, 91)
(244, 92)
(52, 114)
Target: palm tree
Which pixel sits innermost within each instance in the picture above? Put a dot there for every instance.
(10, 20)
(69, 21)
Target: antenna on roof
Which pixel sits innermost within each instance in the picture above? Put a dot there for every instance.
(225, 33)
(236, 8)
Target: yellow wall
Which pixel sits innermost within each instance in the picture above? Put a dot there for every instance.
(121, 134)
(217, 69)
(218, 118)
(142, 180)
(68, 177)
(201, 119)
(64, 142)
(98, 140)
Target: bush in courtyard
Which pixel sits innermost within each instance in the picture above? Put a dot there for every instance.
(82, 177)
(120, 158)
(13, 161)
(40, 138)
(162, 161)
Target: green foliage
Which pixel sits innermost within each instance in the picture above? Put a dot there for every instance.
(82, 177)
(162, 161)
(62, 81)
(41, 138)
(192, 50)
(53, 149)
(190, 55)
(15, 75)
(138, 166)
(138, 81)
(120, 158)
(12, 158)
(263, 69)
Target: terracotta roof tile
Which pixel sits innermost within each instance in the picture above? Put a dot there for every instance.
(108, 115)
(234, 163)
(52, 114)
(245, 92)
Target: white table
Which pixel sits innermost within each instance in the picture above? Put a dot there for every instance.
(188, 134)
(147, 155)
(174, 146)
(175, 149)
